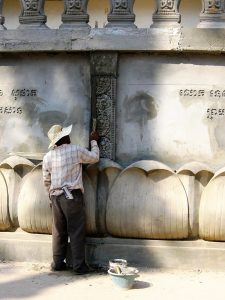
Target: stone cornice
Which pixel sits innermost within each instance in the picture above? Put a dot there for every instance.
(111, 39)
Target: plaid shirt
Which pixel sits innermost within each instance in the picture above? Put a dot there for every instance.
(62, 166)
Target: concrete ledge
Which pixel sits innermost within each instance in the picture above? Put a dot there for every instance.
(22, 246)
(199, 254)
(114, 39)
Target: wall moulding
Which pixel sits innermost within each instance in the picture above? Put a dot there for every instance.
(138, 40)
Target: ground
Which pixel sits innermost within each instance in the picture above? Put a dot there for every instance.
(36, 281)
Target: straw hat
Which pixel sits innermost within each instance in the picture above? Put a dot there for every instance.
(56, 132)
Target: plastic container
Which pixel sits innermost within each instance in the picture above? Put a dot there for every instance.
(124, 280)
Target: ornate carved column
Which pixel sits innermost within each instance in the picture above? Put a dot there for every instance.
(104, 77)
(121, 14)
(32, 14)
(75, 14)
(166, 13)
(2, 19)
(212, 14)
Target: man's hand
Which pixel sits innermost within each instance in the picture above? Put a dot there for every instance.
(94, 136)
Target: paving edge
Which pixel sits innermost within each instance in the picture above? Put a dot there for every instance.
(198, 254)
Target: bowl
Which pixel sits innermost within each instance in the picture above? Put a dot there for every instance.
(124, 280)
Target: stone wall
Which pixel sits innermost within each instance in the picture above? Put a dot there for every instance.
(37, 91)
(167, 112)
(158, 96)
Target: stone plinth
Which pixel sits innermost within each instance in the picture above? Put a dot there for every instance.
(121, 14)
(75, 15)
(32, 14)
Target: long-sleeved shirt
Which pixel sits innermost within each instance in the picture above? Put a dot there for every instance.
(62, 166)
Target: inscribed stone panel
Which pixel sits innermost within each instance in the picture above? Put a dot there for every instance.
(37, 91)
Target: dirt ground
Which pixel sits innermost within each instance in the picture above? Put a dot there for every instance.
(35, 281)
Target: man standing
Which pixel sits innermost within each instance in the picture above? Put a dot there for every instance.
(62, 175)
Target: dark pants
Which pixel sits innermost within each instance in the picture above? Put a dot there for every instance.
(68, 220)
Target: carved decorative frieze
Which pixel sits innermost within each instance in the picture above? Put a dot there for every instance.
(2, 19)
(167, 13)
(104, 77)
(32, 14)
(212, 14)
(121, 13)
(75, 14)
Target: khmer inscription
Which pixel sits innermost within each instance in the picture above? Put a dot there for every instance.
(11, 110)
(217, 93)
(215, 112)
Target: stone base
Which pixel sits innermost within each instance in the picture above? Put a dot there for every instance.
(32, 26)
(121, 21)
(120, 24)
(165, 25)
(211, 21)
(198, 254)
(211, 25)
(75, 25)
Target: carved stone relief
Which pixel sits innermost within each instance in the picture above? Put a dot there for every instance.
(32, 14)
(213, 6)
(167, 6)
(212, 14)
(104, 73)
(167, 13)
(120, 7)
(75, 14)
(105, 113)
(2, 19)
(31, 5)
(121, 13)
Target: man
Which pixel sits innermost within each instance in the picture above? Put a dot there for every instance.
(62, 175)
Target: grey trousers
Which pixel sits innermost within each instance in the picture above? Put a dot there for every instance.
(68, 221)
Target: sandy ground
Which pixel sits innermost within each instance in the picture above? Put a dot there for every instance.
(36, 281)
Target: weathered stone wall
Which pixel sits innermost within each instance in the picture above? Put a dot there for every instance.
(157, 94)
(37, 91)
(171, 108)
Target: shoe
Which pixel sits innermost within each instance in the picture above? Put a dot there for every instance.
(58, 267)
(83, 269)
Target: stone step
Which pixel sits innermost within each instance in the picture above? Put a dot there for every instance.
(198, 254)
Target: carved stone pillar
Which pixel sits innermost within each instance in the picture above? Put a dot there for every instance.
(121, 14)
(212, 14)
(32, 14)
(104, 79)
(75, 14)
(166, 14)
(2, 19)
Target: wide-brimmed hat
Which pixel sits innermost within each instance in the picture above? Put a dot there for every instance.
(56, 132)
